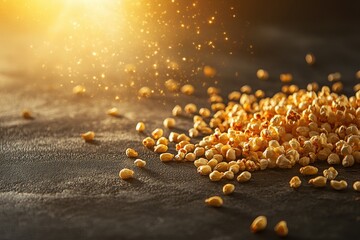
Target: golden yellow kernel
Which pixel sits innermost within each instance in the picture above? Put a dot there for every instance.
(310, 59)
(262, 74)
(132, 153)
(313, 87)
(148, 142)
(204, 112)
(140, 163)
(88, 136)
(216, 176)
(193, 132)
(162, 140)
(246, 89)
(259, 93)
(330, 173)
(319, 181)
(214, 201)
(336, 76)
(333, 158)
(348, 161)
(176, 110)
(212, 163)
(190, 157)
(190, 108)
(295, 182)
(286, 77)
(204, 170)
(281, 229)
(228, 188)
(309, 170)
(166, 157)
(157, 133)
(259, 224)
(161, 148)
(173, 137)
(244, 176)
(337, 87)
(144, 92)
(126, 173)
(338, 185)
(357, 86)
(229, 175)
(209, 71)
(187, 89)
(213, 91)
(356, 186)
(169, 122)
(140, 127)
(113, 112)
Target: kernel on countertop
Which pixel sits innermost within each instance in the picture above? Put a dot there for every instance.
(88, 136)
(281, 229)
(259, 224)
(126, 173)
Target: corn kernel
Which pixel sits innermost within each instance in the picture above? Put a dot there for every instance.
(319, 181)
(204, 112)
(140, 163)
(356, 186)
(262, 74)
(144, 92)
(176, 110)
(228, 188)
(161, 148)
(309, 170)
(338, 185)
(259, 224)
(244, 177)
(140, 127)
(286, 77)
(295, 182)
(169, 122)
(162, 140)
(214, 201)
(204, 170)
(113, 112)
(310, 59)
(187, 89)
(281, 229)
(336, 76)
(132, 153)
(216, 176)
(148, 142)
(157, 133)
(88, 136)
(126, 173)
(166, 157)
(26, 114)
(330, 173)
(190, 108)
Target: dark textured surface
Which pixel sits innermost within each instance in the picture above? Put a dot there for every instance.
(55, 186)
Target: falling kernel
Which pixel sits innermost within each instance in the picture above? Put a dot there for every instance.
(144, 92)
(113, 112)
(336, 76)
(262, 74)
(209, 71)
(286, 77)
(310, 59)
(187, 89)
(172, 85)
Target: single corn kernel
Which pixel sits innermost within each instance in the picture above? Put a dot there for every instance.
(230, 155)
(166, 157)
(337, 87)
(88, 136)
(187, 89)
(204, 112)
(228, 188)
(295, 182)
(244, 176)
(140, 163)
(209, 71)
(283, 162)
(169, 122)
(229, 175)
(338, 185)
(172, 85)
(173, 137)
(190, 108)
(304, 161)
(190, 157)
(131, 153)
(216, 176)
(213, 91)
(330, 173)
(148, 142)
(144, 92)
(309, 170)
(356, 186)
(259, 224)
(193, 132)
(286, 77)
(126, 173)
(336, 76)
(310, 59)
(26, 114)
(333, 158)
(214, 201)
(319, 181)
(348, 161)
(212, 163)
(162, 140)
(199, 151)
(140, 127)
(157, 133)
(113, 112)
(161, 148)
(281, 229)
(204, 170)
(176, 111)
(262, 74)
(200, 162)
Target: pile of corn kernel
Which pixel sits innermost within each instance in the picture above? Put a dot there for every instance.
(252, 132)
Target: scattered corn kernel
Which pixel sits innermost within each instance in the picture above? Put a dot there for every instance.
(157, 133)
(140, 163)
(161, 148)
(262, 74)
(281, 229)
(356, 186)
(338, 185)
(148, 142)
(187, 89)
(113, 112)
(166, 157)
(286, 77)
(176, 110)
(88, 136)
(259, 224)
(144, 92)
(26, 114)
(204, 170)
(190, 108)
(214, 201)
(337, 87)
(169, 122)
(330, 173)
(140, 127)
(228, 188)
(319, 181)
(336, 76)
(209, 71)
(310, 59)
(126, 173)
(79, 90)
(333, 158)
(216, 176)
(295, 182)
(132, 153)
(172, 85)
(309, 170)
(244, 176)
